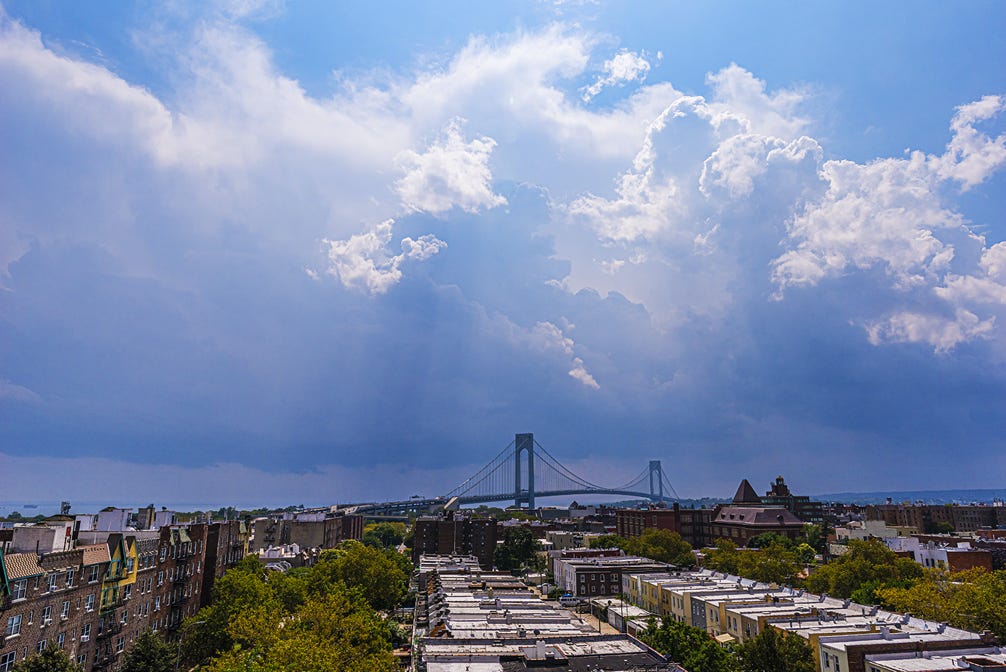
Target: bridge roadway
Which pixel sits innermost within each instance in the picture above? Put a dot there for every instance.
(429, 504)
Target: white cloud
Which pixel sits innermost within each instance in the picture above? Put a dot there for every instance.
(890, 214)
(363, 261)
(580, 373)
(971, 156)
(450, 173)
(941, 332)
(550, 337)
(621, 69)
(10, 391)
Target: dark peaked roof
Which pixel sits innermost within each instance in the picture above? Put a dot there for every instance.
(746, 494)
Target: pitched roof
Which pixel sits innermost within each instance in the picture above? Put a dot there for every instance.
(746, 494)
(20, 565)
(95, 554)
(760, 516)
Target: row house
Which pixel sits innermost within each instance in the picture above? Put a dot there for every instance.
(94, 600)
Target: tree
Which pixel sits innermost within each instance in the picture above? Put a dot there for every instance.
(664, 546)
(692, 647)
(518, 551)
(608, 541)
(384, 535)
(766, 539)
(774, 564)
(149, 653)
(723, 557)
(865, 562)
(973, 600)
(379, 578)
(775, 651)
(51, 659)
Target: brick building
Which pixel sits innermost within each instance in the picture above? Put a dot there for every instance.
(800, 506)
(747, 517)
(455, 534)
(692, 524)
(94, 600)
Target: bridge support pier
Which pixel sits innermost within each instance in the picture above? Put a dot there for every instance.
(656, 473)
(523, 443)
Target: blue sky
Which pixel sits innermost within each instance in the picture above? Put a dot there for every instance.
(267, 252)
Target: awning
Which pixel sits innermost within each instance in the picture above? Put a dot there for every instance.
(725, 638)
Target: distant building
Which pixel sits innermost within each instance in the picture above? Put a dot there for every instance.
(747, 517)
(692, 524)
(307, 531)
(928, 518)
(457, 533)
(800, 506)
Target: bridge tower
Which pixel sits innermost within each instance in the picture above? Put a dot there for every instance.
(523, 443)
(656, 474)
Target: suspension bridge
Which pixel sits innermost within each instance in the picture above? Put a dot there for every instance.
(523, 471)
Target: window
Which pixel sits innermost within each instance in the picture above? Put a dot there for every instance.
(31, 616)
(164, 553)
(65, 611)
(19, 589)
(52, 582)
(94, 574)
(46, 615)
(89, 603)
(157, 603)
(40, 647)
(7, 661)
(81, 659)
(120, 644)
(85, 632)
(129, 565)
(60, 638)
(126, 592)
(69, 577)
(160, 578)
(14, 625)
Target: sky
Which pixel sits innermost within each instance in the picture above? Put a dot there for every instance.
(267, 253)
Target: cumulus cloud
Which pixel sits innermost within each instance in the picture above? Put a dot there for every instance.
(364, 262)
(890, 214)
(621, 69)
(552, 337)
(450, 173)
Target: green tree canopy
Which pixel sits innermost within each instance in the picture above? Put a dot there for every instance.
(149, 653)
(518, 551)
(865, 562)
(775, 651)
(51, 659)
(974, 600)
(384, 534)
(663, 546)
(380, 578)
(692, 647)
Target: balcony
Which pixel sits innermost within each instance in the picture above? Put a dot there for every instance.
(112, 628)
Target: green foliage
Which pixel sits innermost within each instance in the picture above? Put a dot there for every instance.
(653, 543)
(815, 536)
(317, 618)
(384, 535)
(775, 651)
(776, 563)
(609, 541)
(691, 647)
(518, 551)
(940, 528)
(805, 553)
(378, 575)
(866, 562)
(149, 653)
(974, 600)
(51, 659)
(766, 539)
